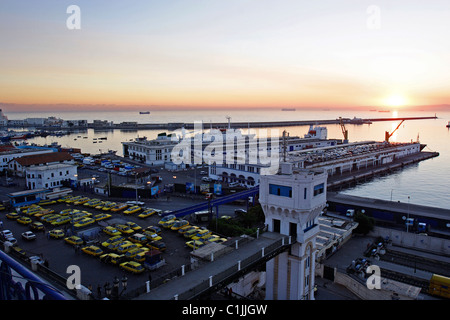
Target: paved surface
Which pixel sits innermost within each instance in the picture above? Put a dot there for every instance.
(94, 273)
(196, 277)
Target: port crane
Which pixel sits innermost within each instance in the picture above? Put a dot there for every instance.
(388, 135)
(344, 130)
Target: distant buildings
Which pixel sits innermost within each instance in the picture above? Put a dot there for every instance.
(3, 119)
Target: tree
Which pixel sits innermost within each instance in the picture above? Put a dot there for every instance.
(365, 223)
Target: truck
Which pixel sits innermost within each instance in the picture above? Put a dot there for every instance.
(350, 213)
(89, 161)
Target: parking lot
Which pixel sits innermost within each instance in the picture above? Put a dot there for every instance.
(59, 255)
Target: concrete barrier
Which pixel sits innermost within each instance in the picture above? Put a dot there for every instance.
(413, 240)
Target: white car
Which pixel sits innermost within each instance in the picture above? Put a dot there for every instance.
(28, 235)
(7, 234)
(11, 239)
(135, 203)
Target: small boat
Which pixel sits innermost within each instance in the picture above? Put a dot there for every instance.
(144, 112)
(288, 109)
(448, 124)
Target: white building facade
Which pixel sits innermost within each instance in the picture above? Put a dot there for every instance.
(50, 176)
(152, 152)
(292, 202)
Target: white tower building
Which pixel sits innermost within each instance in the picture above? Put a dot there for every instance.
(292, 202)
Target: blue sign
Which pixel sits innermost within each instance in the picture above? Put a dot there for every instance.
(190, 187)
(218, 189)
(154, 190)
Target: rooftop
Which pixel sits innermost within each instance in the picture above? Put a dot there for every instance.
(43, 158)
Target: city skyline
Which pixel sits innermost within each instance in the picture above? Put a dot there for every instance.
(224, 54)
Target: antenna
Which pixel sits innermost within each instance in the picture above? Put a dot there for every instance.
(284, 145)
(229, 122)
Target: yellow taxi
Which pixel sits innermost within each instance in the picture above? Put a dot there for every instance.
(101, 216)
(153, 229)
(61, 221)
(138, 238)
(158, 245)
(201, 234)
(132, 210)
(185, 229)
(92, 250)
(112, 240)
(24, 220)
(46, 202)
(109, 206)
(179, 224)
(123, 248)
(112, 258)
(73, 240)
(195, 244)
(84, 222)
(133, 225)
(56, 233)
(12, 215)
(130, 254)
(124, 229)
(166, 219)
(118, 207)
(151, 236)
(64, 199)
(111, 231)
(37, 226)
(147, 213)
(81, 201)
(132, 266)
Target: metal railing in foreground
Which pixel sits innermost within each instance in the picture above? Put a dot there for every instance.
(19, 283)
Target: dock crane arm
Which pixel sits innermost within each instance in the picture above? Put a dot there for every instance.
(344, 131)
(389, 135)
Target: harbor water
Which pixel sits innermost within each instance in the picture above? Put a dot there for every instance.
(425, 183)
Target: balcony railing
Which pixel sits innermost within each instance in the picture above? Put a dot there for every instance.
(19, 283)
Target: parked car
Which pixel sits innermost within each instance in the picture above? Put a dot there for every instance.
(132, 266)
(28, 235)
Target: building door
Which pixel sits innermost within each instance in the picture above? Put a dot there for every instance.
(293, 230)
(328, 273)
(276, 225)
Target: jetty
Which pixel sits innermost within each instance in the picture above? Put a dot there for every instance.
(130, 125)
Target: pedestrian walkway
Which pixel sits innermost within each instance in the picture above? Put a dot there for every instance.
(224, 267)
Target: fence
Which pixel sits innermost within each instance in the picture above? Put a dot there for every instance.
(18, 283)
(221, 277)
(214, 282)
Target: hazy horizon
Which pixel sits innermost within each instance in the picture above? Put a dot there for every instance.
(193, 54)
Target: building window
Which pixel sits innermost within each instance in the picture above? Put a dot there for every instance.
(319, 189)
(282, 191)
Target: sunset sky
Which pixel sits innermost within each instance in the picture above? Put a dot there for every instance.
(226, 53)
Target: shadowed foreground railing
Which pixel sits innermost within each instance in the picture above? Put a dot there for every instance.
(19, 283)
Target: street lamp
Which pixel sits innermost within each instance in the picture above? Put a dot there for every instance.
(108, 289)
(124, 282)
(116, 287)
(407, 220)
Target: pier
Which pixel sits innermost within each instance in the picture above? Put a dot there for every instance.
(348, 179)
(105, 125)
